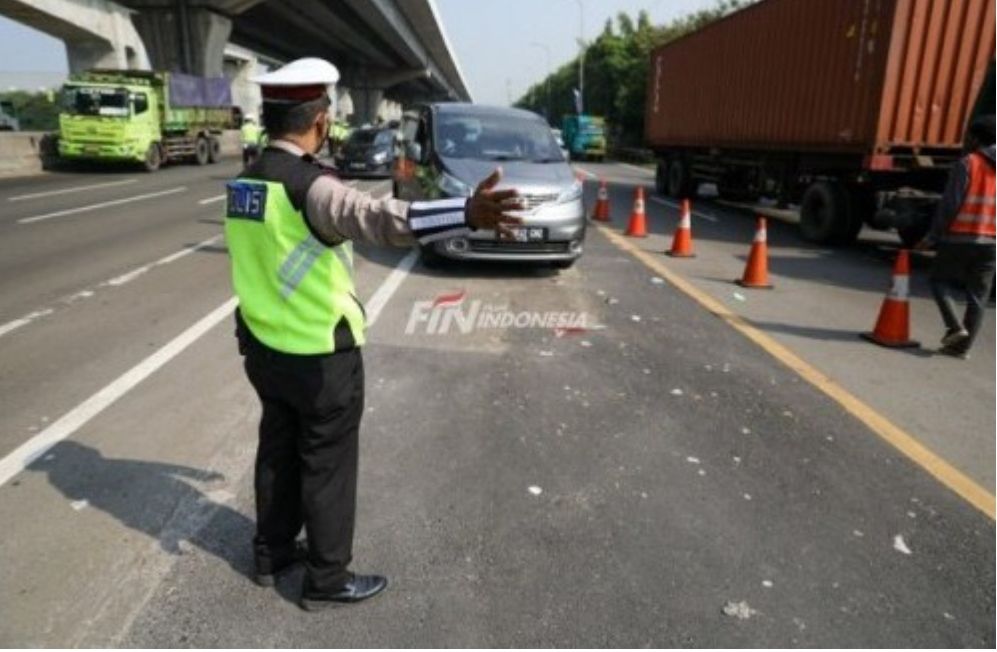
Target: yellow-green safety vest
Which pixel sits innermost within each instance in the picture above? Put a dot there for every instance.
(251, 133)
(294, 292)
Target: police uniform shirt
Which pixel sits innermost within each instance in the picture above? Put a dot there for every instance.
(336, 212)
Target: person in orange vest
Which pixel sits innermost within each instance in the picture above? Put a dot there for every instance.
(963, 230)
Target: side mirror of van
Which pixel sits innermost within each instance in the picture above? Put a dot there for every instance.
(413, 152)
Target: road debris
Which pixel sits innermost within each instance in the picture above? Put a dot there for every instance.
(900, 545)
(692, 460)
(677, 392)
(740, 297)
(535, 490)
(80, 504)
(657, 280)
(740, 610)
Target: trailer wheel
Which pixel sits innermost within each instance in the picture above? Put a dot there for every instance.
(214, 150)
(153, 158)
(202, 152)
(825, 215)
(680, 184)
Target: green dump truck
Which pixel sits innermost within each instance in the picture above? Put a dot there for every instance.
(584, 136)
(146, 117)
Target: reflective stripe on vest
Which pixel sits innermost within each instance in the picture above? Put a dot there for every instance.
(294, 291)
(976, 215)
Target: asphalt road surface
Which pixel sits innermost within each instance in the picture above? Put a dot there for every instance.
(647, 475)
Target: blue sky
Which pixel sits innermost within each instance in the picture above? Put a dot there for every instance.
(492, 39)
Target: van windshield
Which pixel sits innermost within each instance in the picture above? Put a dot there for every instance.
(496, 137)
(95, 100)
(369, 137)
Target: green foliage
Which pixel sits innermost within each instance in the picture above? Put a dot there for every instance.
(34, 111)
(616, 66)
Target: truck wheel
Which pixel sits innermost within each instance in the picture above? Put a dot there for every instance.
(214, 150)
(825, 215)
(680, 184)
(202, 152)
(153, 158)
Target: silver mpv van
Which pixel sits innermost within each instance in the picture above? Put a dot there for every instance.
(451, 147)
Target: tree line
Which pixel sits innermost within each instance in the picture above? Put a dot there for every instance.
(616, 65)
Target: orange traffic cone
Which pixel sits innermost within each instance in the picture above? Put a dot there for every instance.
(637, 228)
(682, 240)
(893, 326)
(601, 212)
(756, 271)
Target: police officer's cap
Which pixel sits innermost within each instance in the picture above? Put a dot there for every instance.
(302, 80)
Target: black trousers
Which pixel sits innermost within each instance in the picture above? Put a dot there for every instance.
(306, 463)
(969, 270)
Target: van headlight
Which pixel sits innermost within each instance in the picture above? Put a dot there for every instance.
(454, 187)
(571, 194)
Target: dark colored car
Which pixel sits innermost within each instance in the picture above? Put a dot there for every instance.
(368, 152)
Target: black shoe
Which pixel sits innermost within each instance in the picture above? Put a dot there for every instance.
(955, 352)
(268, 572)
(358, 589)
(955, 339)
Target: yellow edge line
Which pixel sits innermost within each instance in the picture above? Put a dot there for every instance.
(944, 472)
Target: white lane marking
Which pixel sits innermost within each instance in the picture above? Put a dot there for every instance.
(70, 422)
(388, 287)
(678, 206)
(23, 321)
(86, 293)
(94, 207)
(380, 298)
(67, 424)
(65, 191)
(211, 200)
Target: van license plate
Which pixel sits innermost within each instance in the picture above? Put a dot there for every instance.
(525, 234)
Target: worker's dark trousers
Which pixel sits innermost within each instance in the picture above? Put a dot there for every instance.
(968, 269)
(306, 463)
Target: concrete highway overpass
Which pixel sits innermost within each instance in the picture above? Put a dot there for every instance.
(389, 52)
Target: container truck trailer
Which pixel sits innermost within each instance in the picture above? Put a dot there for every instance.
(854, 109)
(147, 117)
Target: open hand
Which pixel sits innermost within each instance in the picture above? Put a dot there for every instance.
(490, 209)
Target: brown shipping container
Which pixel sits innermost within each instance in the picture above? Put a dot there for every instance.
(850, 76)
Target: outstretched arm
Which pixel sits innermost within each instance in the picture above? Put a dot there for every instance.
(338, 212)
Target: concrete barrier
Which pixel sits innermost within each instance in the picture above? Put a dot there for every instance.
(25, 153)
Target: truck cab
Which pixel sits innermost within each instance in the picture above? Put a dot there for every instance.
(109, 121)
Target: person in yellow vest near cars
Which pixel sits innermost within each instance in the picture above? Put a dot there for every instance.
(252, 140)
(289, 228)
(963, 230)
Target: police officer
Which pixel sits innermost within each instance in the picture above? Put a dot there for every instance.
(289, 227)
(252, 137)
(963, 229)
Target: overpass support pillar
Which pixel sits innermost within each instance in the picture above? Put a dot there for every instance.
(97, 33)
(182, 38)
(366, 104)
